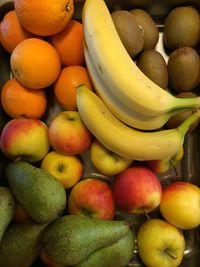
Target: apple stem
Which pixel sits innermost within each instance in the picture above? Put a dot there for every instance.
(146, 214)
(174, 168)
(185, 125)
(17, 159)
(171, 255)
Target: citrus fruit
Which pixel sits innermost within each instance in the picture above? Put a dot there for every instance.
(19, 101)
(44, 17)
(69, 44)
(35, 63)
(11, 31)
(66, 84)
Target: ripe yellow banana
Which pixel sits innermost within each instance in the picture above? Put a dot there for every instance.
(118, 70)
(126, 141)
(121, 111)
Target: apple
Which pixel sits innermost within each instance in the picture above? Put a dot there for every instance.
(137, 190)
(47, 261)
(163, 165)
(20, 213)
(92, 197)
(68, 134)
(180, 205)
(26, 139)
(67, 169)
(106, 161)
(160, 244)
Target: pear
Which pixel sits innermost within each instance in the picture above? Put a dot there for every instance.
(71, 238)
(118, 254)
(7, 209)
(21, 244)
(40, 194)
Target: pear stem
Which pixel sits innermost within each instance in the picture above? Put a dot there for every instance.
(184, 127)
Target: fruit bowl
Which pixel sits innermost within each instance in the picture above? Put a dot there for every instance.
(188, 169)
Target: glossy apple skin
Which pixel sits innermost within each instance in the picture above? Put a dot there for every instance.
(106, 161)
(157, 240)
(137, 190)
(180, 205)
(92, 197)
(163, 165)
(68, 134)
(66, 169)
(26, 139)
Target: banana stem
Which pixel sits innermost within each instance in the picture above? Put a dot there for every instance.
(190, 102)
(184, 127)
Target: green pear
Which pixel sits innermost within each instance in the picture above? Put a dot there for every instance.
(21, 244)
(119, 254)
(7, 209)
(41, 195)
(72, 238)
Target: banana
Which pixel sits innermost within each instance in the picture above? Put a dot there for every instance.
(117, 69)
(121, 111)
(126, 141)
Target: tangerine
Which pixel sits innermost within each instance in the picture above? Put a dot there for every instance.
(66, 84)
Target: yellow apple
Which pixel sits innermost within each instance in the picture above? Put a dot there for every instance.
(160, 244)
(180, 205)
(67, 169)
(106, 161)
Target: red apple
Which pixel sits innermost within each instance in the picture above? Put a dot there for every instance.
(26, 139)
(137, 190)
(92, 197)
(68, 134)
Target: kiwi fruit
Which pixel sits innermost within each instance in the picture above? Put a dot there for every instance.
(153, 65)
(177, 119)
(182, 27)
(148, 26)
(128, 31)
(183, 69)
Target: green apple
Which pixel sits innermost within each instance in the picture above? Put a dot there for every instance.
(67, 169)
(26, 139)
(160, 244)
(180, 205)
(106, 161)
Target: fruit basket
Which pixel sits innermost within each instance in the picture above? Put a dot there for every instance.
(188, 169)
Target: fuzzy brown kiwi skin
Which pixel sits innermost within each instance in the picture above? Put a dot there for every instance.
(182, 28)
(154, 66)
(128, 31)
(183, 69)
(148, 26)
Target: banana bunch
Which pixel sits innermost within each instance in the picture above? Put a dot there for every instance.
(126, 102)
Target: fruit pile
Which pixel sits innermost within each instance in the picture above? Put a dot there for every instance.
(83, 136)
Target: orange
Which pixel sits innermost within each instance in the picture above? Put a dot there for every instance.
(35, 63)
(11, 31)
(69, 44)
(44, 17)
(19, 101)
(66, 84)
